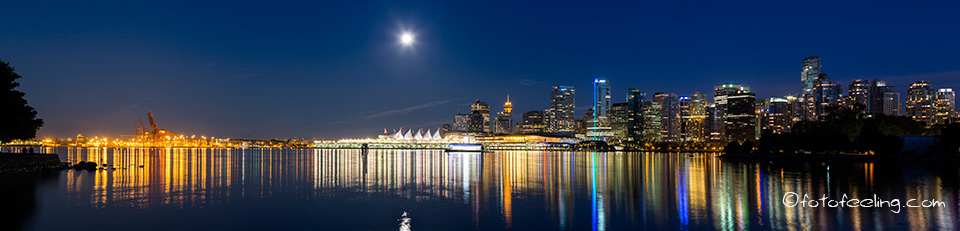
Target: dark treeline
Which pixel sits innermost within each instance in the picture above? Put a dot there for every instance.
(846, 130)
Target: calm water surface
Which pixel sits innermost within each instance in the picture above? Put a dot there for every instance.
(284, 189)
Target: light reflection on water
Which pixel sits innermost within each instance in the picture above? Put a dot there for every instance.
(502, 190)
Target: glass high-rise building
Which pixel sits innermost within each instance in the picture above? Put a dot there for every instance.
(720, 94)
(693, 116)
(560, 113)
(827, 94)
(599, 125)
(778, 116)
(635, 120)
(504, 122)
(740, 119)
(810, 76)
(920, 102)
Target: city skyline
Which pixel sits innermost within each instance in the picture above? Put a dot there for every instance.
(352, 79)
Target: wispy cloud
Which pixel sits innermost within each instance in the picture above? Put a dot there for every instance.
(407, 109)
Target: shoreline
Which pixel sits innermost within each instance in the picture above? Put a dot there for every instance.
(932, 159)
(14, 163)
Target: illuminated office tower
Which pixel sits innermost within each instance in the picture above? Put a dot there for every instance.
(762, 108)
(778, 116)
(670, 115)
(504, 121)
(693, 116)
(920, 100)
(560, 113)
(809, 76)
(619, 118)
(720, 94)
(740, 116)
(883, 99)
(599, 125)
(946, 106)
(651, 122)
(714, 123)
(483, 109)
(534, 122)
(858, 93)
(635, 120)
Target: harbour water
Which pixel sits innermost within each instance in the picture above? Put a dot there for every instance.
(352, 189)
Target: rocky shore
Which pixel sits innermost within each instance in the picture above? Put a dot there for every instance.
(27, 163)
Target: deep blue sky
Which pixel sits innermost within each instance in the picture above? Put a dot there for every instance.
(332, 70)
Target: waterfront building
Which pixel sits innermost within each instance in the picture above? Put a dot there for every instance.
(810, 76)
(946, 106)
(883, 99)
(858, 93)
(635, 119)
(560, 114)
(740, 116)
(651, 122)
(472, 122)
(483, 109)
(670, 115)
(920, 102)
(619, 120)
(534, 122)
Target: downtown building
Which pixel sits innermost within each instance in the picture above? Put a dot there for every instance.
(827, 93)
(920, 102)
(619, 121)
(599, 126)
(651, 130)
(810, 76)
(534, 122)
(693, 114)
(858, 93)
(883, 99)
(635, 119)
(503, 124)
(721, 93)
(560, 116)
(669, 116)
(740, 117)
(946, 103)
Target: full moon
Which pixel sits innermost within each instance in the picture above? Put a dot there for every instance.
(406, 39)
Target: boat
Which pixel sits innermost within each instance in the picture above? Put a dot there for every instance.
(464, 148)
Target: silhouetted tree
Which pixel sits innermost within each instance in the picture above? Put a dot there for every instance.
(17, 119)
(949, 142)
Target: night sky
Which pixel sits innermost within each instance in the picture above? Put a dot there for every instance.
(336, 70)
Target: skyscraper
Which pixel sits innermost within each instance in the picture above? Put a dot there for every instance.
(560, 113)
(720, 94)
(740, 118)
(635, 121)
(920, 100)
(883, 99)
(483, 109)
(619, 118)
(694, 115)
(810, 75)
(670, 115)
(504, 121)
(858, 93)
(827, 94)
(599, 126)
(946, 106)
(778, 116)
(651, 122)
